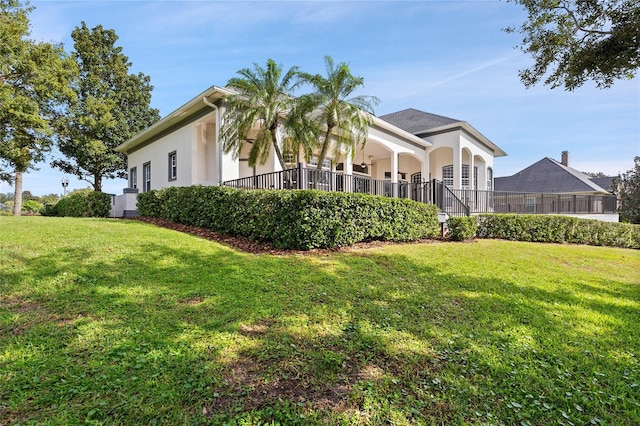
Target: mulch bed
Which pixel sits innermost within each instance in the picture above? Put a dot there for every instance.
(248, 246)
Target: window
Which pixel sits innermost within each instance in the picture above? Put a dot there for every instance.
(173, 166)
(288, 158)
(447, 175)
(357, 168)
(326, 163)
(401, 175)
(475, 178)
(133, 177)
(465, 176)
(146, 177)
(417, 187)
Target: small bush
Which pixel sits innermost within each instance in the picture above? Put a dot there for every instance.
(558, 229)
(293, 219)
(31, 206)
(462, 228)
(84, 204)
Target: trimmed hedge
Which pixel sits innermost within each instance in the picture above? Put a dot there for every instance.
(81, 204)
(462, 228)
(49, 209)
(301, 219)
(558, 229)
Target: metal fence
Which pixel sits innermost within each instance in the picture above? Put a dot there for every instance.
(324, 180)
(535, 203)
(454, 202)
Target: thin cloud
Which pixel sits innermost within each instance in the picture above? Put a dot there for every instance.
(470, 71)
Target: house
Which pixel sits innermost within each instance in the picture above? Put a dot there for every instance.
(605, 182)
(456, 148)
(552, 177)
(408, 146)
(553, 187)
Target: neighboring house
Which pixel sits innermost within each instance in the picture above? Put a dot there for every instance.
(552, 177)
(605, 182)
(549, 186)
(407, 146)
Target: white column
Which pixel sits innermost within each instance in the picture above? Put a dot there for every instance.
(457, 167)
(425, 167)
(394, 172)
(394, 167)
(348, 164)
(471, 174)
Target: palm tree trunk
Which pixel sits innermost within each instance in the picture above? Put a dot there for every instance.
(17, 196)
(276, 147)
(325, 148)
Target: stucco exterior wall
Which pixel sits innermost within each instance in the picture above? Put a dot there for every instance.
(456, 148)
(158, 154)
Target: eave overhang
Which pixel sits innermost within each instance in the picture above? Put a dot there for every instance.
(464, 126)
(195, 107)
(403, 135)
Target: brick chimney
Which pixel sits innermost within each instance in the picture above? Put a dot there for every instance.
(565, 158)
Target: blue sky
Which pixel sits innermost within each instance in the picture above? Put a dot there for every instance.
(445, 57)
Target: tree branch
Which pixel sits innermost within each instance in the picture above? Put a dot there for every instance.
(579, 26)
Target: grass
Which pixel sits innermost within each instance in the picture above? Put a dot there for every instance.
(120, 322)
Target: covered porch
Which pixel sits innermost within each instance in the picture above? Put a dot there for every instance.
(454, 202)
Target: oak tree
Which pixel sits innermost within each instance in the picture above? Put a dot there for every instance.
(33, 80)
(628, 188)
(573, 41)
(110, 106)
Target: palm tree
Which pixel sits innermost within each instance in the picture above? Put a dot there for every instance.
(264, 98)
(343, 120)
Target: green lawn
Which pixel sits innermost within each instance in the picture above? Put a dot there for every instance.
(121, 322)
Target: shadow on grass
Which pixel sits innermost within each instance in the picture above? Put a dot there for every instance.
(178, 333)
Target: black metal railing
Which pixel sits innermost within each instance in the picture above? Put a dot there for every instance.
(528, 202)
(454, 202)
(325, 180)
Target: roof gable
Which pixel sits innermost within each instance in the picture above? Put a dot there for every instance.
(548, 176)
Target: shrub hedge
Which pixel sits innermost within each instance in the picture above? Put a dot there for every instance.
(31, 206)
(462, 228)
(81, 204)
(303, 219)
(50, 209)
(558, 229)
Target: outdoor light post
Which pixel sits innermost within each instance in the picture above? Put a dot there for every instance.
(65, 183)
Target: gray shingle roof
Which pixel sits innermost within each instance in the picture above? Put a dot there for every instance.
(415, 121)
(605, 182)
(548, 176)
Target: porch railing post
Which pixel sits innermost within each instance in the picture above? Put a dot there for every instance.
(301, 176)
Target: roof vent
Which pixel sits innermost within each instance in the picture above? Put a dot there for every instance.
(565, 158)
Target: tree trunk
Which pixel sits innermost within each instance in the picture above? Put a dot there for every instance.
(276, 147)
(97, 183)
(17, 196)
(325, 148)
